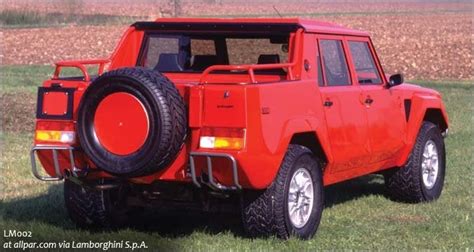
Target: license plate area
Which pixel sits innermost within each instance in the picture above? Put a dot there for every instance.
(55, 103)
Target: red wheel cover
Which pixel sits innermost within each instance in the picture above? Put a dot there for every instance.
(121, 123)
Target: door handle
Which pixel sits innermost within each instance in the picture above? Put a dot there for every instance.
(328, 103)
(368, 100)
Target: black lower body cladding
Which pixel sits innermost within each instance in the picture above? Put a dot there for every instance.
(166, 119)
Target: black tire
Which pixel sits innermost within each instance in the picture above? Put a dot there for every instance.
(93, 209)
(266, 213)
(167, 121)
(406, 183)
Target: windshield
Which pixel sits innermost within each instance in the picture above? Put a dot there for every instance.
(193, 54)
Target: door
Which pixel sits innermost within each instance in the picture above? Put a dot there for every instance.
(346, 119)
(384, 108)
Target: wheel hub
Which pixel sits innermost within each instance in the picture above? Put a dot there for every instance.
(429, 164)
(121, 123)
(300, 197)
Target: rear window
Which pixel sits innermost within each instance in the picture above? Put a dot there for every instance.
(253, 51)
(186, 53)
(160, 46)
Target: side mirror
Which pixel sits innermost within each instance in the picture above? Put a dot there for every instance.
(395, 80)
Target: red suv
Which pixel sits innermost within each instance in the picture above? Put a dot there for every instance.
(258, 114)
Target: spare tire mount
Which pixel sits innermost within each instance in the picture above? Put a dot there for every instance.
(132, 122)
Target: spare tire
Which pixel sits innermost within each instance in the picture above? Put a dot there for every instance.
(132, 122)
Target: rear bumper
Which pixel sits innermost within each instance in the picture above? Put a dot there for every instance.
(59, 173)
(206, 177)
(209, 171)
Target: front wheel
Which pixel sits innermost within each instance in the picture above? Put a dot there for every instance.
(422, 177)
(293, 204)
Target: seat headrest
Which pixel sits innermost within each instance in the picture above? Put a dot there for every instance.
(268, 59)
(169, 62)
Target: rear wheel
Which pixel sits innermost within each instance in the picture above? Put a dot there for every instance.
(293, 204)
(422, 177)
(90, 208)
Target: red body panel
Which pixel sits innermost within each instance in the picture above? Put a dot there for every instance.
(357, 138)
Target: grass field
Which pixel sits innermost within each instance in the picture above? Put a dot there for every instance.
(33, 19)
(358, 215)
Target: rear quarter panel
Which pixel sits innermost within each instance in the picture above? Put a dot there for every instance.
(274, 113)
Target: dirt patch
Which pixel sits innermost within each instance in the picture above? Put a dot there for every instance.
(436, 46)
(156, 8)
(423, 47)
(47, 45)
(430, 41)
(17, 111)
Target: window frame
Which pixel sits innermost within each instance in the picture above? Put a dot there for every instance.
(319, 63)
(375, 58)
(350, 69)
(220, 44)
(146, 44)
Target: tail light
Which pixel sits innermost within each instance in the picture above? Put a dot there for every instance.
(222, 138)
(55, 136)
(55, 132)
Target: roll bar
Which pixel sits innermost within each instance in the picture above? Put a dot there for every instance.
(250, 69)
(81, 65)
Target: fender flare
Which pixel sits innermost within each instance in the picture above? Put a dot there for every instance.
(302, 125)
(420, 105)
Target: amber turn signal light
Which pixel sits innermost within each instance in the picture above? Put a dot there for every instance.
(55, 136)
(222, 138)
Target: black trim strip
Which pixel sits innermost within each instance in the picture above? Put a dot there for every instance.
(407, 105)
(217, 26)
(70, 103)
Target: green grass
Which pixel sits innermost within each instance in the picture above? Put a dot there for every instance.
(28, 19)
(357, 215)
(16, 78)
(24, 77)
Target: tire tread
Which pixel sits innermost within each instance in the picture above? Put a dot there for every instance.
(405, 183)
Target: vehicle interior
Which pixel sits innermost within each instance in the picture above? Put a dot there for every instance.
(181, 53)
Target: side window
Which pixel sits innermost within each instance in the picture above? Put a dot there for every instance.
(334, 63)
(257, 51)
(364, 64)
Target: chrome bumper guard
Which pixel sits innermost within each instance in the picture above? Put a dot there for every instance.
(211, 182)
(58, 175)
